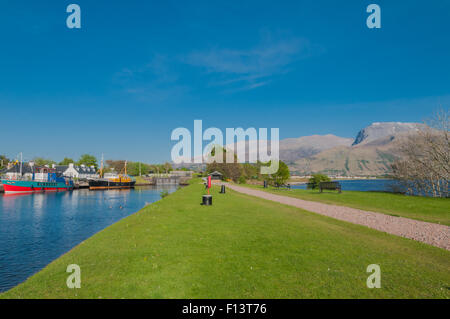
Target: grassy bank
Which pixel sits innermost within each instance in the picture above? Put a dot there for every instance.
(141, 181)
(433, 210)
(241, 247)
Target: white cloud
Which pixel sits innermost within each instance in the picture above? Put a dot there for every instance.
(246, 69)
(231, 70)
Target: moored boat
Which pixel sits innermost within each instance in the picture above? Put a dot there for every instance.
(18, 186)
(44, 179)
(111, 183)
(112, 180)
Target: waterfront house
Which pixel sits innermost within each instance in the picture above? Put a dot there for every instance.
(78, 172)
(28, 168)
(13, 172)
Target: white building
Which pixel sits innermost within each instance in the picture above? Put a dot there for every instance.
(79, 172)
(71, 170)
(14, 171)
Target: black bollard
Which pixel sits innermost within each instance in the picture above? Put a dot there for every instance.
(222, 189)
(207, 200)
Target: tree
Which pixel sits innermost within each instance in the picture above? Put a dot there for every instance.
(316, 179)
(3, 161)
(117, 166)
(40, 161)
(282, 175)
(229, 170)
(158, 168)
(242, 180)
(66, 161)
(134, 168)
(250, 171)
(424, 168)
(167, 167)
(88, 160)
(145, 169)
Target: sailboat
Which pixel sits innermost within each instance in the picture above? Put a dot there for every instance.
(112, 180)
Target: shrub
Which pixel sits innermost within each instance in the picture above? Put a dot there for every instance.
(281, 176)
(314, 181)
(164, 193)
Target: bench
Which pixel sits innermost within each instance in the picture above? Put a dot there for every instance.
(288, 186)
(330, 186)
(310, 185)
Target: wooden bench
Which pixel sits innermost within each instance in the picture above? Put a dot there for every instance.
(330, 186)
(288, 186)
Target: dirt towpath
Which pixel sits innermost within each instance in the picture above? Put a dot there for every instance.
(430, 233)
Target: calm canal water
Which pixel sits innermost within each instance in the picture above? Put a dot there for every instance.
(367, 185)
(35, 229)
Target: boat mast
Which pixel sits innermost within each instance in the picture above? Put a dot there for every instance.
(21, 160)
(101, 167)
(125, 167)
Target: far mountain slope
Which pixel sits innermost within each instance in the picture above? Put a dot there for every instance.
(372, 152)
(292, 149)
(379, 130)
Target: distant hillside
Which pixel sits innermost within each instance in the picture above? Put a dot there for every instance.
(292, 149)
(379, 130)
(349, 161)
(371, 153)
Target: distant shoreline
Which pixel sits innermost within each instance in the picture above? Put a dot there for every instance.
(343, 179)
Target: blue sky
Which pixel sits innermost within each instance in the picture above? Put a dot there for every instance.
(136, 70)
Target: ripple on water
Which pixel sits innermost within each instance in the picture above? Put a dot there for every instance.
(35, 229)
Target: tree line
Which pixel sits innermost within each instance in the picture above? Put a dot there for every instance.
(138, 168)
(84, 159)
(424, 167)
(133, 168)
(242, 172)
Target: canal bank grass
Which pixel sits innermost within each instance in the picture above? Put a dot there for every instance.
(433, 210)
(241, 247)
(140, 180)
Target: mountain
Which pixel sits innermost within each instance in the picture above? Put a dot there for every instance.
(379, 130)
(349, 161)
(370, 153)
(292, 149)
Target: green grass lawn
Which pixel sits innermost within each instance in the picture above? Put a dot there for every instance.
(140, 180)
(433, 210)
(241, 247)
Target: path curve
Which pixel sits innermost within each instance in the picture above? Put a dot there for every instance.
(430, 233)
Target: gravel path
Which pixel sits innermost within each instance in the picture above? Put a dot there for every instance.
(433, 234)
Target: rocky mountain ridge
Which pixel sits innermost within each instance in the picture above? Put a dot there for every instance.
(372, 152)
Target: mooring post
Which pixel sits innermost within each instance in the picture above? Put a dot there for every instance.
(207, 199)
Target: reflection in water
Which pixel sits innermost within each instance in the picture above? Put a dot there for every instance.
(37, 228)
